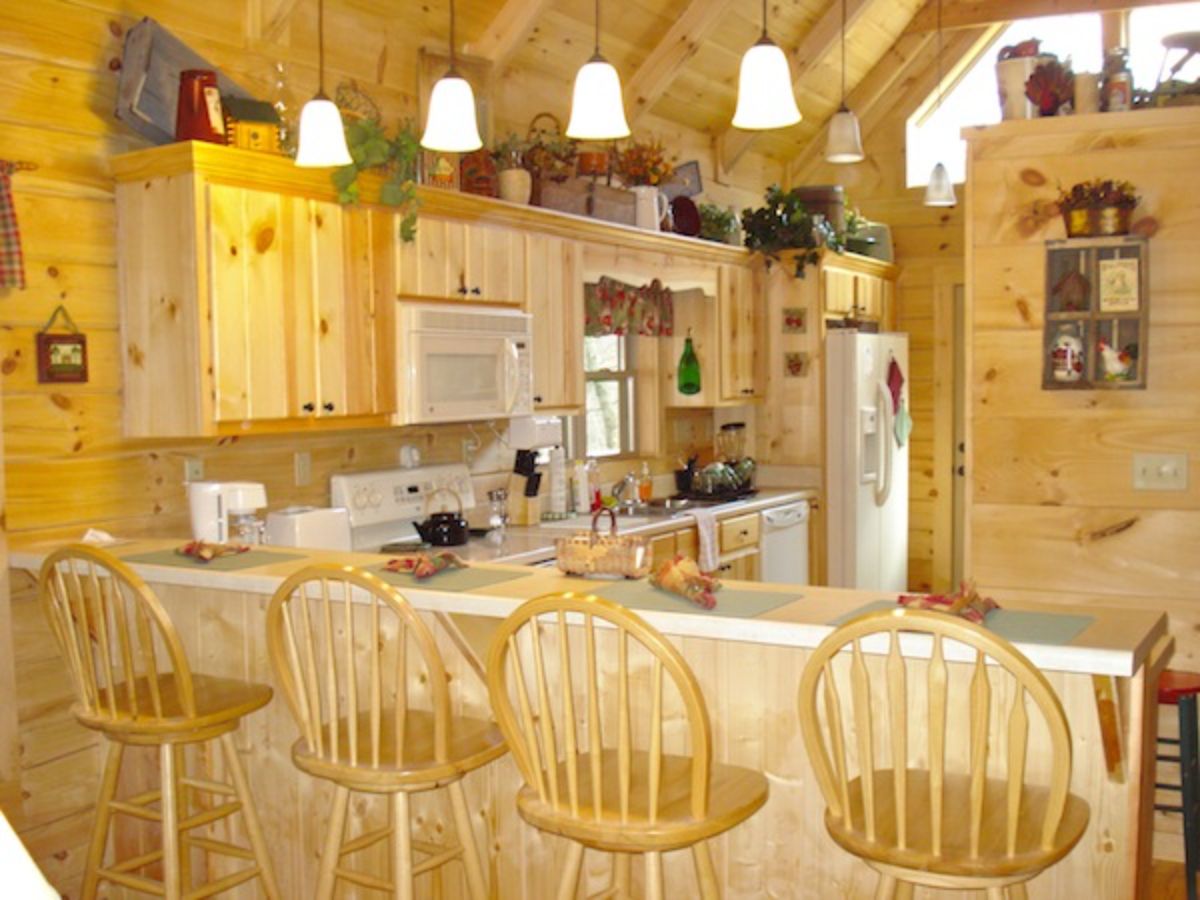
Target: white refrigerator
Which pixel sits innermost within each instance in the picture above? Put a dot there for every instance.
(866, 459)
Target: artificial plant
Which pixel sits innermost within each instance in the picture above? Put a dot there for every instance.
(783, 223)
(371, 148)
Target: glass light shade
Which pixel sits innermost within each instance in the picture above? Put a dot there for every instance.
(597, 107)
(844, 143)
(765, 96)
(940, 190)
(450, 126)
(322, 138)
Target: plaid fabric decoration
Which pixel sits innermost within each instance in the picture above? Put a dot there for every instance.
(12, 264)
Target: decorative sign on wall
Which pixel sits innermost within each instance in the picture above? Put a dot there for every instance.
(1096, 313)
(795, 365)
(61, 356)
(795, 320)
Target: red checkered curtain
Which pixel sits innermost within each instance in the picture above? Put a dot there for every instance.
(12, 264)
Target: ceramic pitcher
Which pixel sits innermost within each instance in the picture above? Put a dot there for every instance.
(650, 206)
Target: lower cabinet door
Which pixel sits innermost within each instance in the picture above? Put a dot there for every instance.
(743, 568)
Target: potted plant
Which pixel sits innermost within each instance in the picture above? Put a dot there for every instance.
(1097, 207)
(717, 223)
(642, 166)
(516, 182)
(782, 224)
(371, 148)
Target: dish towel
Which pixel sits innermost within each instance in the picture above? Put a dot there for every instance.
(706, 528)
(12, 264)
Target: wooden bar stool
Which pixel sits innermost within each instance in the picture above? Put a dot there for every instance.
(609, 785)
(342, 643)
(936, 826)
(1179, 689)
(113, 634)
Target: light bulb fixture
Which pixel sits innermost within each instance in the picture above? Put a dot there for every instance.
(451, 126)
(844, 141)
(765, 96)
(940, 190)
(597, 107)
(322, 140)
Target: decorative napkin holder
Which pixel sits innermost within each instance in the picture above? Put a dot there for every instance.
(593, 553)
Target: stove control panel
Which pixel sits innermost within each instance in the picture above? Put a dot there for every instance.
(395, 495)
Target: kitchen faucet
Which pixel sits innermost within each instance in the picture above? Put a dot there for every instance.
(626, 484)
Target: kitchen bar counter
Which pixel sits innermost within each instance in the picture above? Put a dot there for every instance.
(749, 670)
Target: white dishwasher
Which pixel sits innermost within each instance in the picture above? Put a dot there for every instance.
(784, 544)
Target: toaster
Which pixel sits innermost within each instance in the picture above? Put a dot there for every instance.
(313, 527)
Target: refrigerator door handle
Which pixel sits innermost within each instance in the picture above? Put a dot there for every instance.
(883, 482)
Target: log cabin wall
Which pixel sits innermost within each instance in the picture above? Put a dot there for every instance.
(66, 463)
(1052, 513)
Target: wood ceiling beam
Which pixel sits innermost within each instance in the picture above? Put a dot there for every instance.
(969, 13)
(909, 65)
(732, 144)
(670, 54)
(507, 31)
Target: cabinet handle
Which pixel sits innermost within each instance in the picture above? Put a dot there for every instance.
(309, 407)
(328, 407)
(537, 398)
(476, 291)
(462, 289)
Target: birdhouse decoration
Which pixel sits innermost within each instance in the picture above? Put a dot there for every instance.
(252, 125)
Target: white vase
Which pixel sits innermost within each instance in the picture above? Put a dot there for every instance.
(516, 185)
(650, 206)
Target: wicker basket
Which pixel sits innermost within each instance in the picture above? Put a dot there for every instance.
(593, 553)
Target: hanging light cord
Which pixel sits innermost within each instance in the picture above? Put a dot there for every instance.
(596, 51)
(320, 48)
(938, 105)
(843, 54)
(453, 70)
(764, 34)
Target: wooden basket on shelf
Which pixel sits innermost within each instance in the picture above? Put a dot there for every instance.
(593, 553)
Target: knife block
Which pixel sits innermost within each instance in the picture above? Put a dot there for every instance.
(522, 510)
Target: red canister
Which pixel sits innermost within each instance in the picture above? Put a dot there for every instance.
(198, 116)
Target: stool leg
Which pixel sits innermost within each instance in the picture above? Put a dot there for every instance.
(402, 862)
(170, 823)
(327, 874)
(654, 876)
(1016, 892)
(622, 880)
(1189, 768)
(181, 810)
(569, 881)
(254, 834)
(886, 889)
(705, 874)
(108, 790)
(466, 838)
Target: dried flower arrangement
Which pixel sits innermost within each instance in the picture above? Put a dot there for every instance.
(642, 162)
(1051, 86)
(1098, 194)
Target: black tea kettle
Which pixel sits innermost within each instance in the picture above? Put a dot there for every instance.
(443, 529)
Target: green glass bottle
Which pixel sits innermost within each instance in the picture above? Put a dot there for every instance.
(688, 376)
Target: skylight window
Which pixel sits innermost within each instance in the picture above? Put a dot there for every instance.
(933, 136)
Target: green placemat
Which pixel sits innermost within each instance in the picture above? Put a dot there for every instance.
(732, 604)
(247, 560)
(451, 579)
(1020, 626)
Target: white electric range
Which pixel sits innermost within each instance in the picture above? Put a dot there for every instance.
(384, 505)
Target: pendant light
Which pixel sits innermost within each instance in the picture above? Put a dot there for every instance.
(451, 126)
(844, 142)
(765, 97)
(322, 140)
(597, 107)
(940, 190)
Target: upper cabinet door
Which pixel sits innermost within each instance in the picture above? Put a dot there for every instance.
(463, 261)
(247, 266)
(837, 291)
(739, 305)
(555, 300)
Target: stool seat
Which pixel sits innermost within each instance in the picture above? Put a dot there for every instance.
(1173, 685)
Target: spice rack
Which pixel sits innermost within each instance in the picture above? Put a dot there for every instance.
(1097, 314)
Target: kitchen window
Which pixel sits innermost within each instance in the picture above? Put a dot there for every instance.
(606, 427)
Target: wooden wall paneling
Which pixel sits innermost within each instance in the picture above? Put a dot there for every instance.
(10, 741)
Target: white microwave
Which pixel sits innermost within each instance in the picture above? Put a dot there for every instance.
(458, 363)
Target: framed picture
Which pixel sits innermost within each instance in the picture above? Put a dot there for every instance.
(1119, 285)
(61, 357)
(795, 320)
(795, 365)
(685, 181)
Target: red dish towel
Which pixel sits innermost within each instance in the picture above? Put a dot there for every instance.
(12, 265)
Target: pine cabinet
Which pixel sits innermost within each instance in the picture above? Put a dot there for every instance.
(453, 259)
(682, 542)
(249, 309)
(554, 275)
(854, 287)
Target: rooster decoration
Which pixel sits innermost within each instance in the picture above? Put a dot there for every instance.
(1117, 365)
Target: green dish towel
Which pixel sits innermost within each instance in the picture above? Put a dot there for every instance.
(1020, 626)
(248, 560)
(732, 604)
(451, 579)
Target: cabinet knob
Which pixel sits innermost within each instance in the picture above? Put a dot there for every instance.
(462, 289)
(328, 407)
(309, 407)
(537, 398)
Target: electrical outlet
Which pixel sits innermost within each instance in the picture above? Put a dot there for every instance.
(470, 447)
(193, 469)
(1160, 471)
(302, 467)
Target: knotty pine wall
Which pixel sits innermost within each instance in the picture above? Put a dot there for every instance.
(1052, 513)
(66, 464)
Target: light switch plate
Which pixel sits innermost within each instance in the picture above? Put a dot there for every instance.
(302, 467)
(193, 469)
(1160, 472)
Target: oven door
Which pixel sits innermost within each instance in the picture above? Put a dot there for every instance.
(458, 377)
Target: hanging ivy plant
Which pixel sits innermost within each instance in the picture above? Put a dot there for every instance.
(784, 224)
(371, 148)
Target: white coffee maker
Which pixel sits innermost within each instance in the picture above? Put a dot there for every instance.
(217, 507)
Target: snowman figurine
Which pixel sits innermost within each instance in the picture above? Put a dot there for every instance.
(1066, 357)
